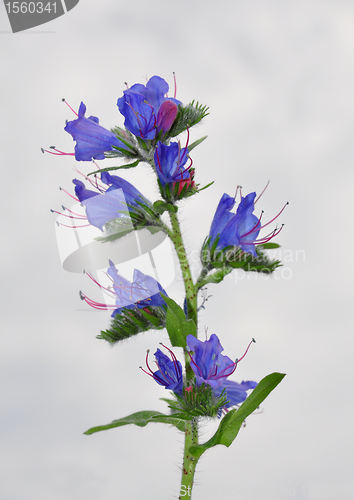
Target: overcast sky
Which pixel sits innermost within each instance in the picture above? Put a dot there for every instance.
(278, 77)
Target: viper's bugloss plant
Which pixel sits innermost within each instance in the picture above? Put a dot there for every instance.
(199, 382)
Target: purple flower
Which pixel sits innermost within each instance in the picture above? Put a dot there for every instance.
(240, 229)
(106, 204)
(169, 373)
(169, 163)
(235, 393)
(92, 140)
(142, 293)
(146, 109)
(213, 368)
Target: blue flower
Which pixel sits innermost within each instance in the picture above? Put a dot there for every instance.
(92, 140)
(213, 368)
(105, 205)
(142, 292)
(235, 393)
(169, 163)
(169, 373)
(240, 229)
(146, 109)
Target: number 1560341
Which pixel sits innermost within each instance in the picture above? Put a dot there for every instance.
(31, 7)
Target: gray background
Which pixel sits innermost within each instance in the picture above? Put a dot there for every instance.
(278, 77)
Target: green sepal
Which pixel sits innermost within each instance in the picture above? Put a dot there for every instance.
(130, 322)
(187, 116)
(234, 258)
(206, 187)
(129, 165)
(197, 402)
(270, 246)
(260, 264)
(233, 420)
(196, 143)
(163, 206)
(178, 326)
(141, 419)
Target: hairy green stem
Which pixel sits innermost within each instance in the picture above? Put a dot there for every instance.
(191, 430)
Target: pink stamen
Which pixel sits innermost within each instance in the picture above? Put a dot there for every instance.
(175, 82)
(254, 228)
(69, 216)
(261, 192)
(276, 215)
(99, 284)
(69, 194)
(70, 107)
(57, 152)
(246, 351)
(96, 305)
(174, 359)
(72, 227)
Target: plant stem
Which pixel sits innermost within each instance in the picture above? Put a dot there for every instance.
(191, 429)
(189, 461)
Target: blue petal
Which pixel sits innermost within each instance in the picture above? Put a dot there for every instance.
(103, 208)
(236, 393)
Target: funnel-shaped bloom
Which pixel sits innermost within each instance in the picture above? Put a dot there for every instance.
(144, 108)
(143, 291)
(169, 373)
(92, 140)
(107, 204)
(240, 229)
(213, 368)
(169, 163)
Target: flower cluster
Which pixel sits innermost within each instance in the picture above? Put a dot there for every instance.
(152, 120)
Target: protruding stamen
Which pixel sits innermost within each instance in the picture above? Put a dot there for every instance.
(57, 152)
(70, 107)
(69, 194)
(246, 351)
(175, 82)
(261, 193)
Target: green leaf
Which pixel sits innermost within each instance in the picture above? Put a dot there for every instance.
(162, 206)
(196, 143)
(232, 422)
(178, 326)
(130, 322)
(129, 165)
(270, 246)
(141, 419)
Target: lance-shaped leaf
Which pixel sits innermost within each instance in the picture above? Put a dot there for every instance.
(178, 326)
(232, 422)
(141, 419)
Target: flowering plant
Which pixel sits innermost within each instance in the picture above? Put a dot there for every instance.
(203, 386)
